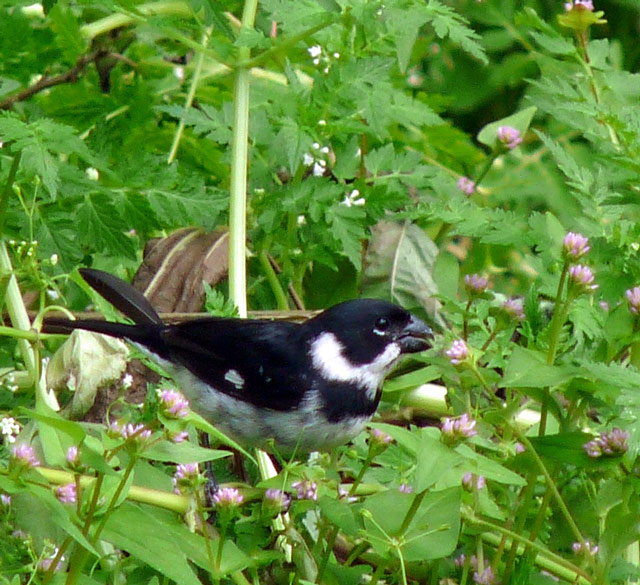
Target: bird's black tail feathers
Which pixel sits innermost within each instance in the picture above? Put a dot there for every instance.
(137, 333)
(128, 300)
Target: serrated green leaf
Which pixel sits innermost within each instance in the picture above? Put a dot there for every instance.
(448, 23)
(68, 37)
(102, 226)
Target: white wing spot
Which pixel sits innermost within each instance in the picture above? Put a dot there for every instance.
(235, 378)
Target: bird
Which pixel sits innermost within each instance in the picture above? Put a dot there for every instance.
(292, 387)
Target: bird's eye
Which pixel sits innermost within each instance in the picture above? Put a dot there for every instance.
(381, 327)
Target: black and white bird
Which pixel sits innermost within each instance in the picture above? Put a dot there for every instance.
(306, 387)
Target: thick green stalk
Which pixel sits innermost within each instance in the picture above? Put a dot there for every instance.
(20, 320)
(239, 164)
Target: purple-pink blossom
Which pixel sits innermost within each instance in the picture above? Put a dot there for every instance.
(458, 352)
(633, 298)
(67, 494)
(227, 497)
(466, 185)
(174, 404)
(514, 308)
(579, 5)
(405, 488)
(380, 437)
(471, 481)
(485, 577)
(582, 278)
(608, 444)
(24, 455)
(462, 427)
(509, 136)
(186, 477)
(575, 245)
(306, 489)
(475, 283)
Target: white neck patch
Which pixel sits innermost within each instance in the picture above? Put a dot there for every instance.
(327, 356)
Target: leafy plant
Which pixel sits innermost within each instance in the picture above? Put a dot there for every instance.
(476, 162)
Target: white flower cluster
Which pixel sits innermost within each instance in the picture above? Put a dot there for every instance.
(9, 428)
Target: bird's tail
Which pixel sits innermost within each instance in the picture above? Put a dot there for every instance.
(123, 297)
(128, 300)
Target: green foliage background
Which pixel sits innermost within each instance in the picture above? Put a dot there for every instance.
(117, 126)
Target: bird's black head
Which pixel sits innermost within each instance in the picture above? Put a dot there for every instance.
(367, 328)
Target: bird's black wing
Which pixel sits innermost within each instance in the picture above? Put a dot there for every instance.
(258, 361)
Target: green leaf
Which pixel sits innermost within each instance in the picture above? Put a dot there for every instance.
(447, 22)
(346, 225)
(68, 36)
(404, 24)
(185, 452)
(432, 533)
(528, 369)
(398, 267)
(520, 120)
(102, 226)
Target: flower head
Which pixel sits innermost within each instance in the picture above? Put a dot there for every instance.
(608, 444)
(129, 431)
(509, 136)
(471, 481)
(456, 429)
(353, 198)
(173, 404)
(67, 494)
(5, 500)
(24, 456)
(485, 577)
(514, 308)
(579, 5)
(186, 478)
(405, 488)
(466, 185)
(9, 429)
(584, 549)
(306, 489)
(277, 499)
(44, 565)
(380, 437)
(475, 283)
(575, 246)
(581, 278)
(633, 298)
(458, 352)
(227, 497)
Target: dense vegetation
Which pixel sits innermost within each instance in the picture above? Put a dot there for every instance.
(476, 162)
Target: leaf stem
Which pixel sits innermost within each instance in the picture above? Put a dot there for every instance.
(192, 92)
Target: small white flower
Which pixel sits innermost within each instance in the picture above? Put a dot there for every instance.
(336, 55)
(53, 294)
(315, 51)
(320, 123)
(127, 381)
(92, 173)
(353, 198)
(315, 146)
(307, 159)
(302, 220)
(54, 259)
(9, 428)
(319, 168)
(179, 73)
(325, 150)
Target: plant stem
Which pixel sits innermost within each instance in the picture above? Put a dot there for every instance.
(274, 283)
(192, 92)
(239, 163)
(8, 189)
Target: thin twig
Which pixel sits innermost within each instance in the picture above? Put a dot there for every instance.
(69, 76)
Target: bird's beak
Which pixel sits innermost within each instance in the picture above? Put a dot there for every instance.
(415, 336)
